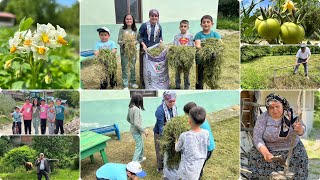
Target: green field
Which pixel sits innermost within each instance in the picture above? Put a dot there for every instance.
(259, 73)
(58, 174)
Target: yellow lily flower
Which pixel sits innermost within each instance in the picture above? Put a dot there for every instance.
(288, 5)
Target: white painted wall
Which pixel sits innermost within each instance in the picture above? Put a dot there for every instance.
(97, 12)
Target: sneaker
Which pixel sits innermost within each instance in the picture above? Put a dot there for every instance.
(126, 88)
(134, 86)
(307, 77)
(142, 159)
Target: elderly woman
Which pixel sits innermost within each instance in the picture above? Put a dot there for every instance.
(164, 113)
(150, 33)
(272, 136)
(303, 57)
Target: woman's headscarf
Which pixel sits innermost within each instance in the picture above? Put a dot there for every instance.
(287, 117)
(156, 28)
(167, 96)
(153, 11)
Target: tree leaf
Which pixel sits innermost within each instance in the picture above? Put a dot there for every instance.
(17, 85)
(21, 22)
(26, 24)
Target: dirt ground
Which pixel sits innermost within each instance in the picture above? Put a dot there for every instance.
(7, 129)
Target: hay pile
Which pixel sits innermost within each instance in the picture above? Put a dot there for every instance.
(171, 133)
(129, 42)
(96, 70)
(93, 73)
(211, 56)
(156, 51)
(181, 57)
(109, 59)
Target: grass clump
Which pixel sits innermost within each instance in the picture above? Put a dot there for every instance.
(171, 133)
(156, 51)
(181, 57)
(211, 56)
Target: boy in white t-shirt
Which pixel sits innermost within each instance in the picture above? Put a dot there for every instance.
(303, 56)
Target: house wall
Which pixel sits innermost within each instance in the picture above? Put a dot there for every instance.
(97, 13)
(112, 107)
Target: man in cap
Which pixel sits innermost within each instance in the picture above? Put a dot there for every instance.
(303, 57)
(42, 167)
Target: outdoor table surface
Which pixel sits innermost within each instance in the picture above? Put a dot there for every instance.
(91, 142)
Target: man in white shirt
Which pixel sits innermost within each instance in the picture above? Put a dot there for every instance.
(42, 167)
(303, 56)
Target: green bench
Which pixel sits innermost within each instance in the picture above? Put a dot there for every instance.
(90, 143)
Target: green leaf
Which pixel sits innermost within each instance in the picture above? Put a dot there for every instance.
(21, 22)
(17, 85)
(26, 24)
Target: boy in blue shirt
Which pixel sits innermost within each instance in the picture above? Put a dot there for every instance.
(206, 24)
(16, 115)
(105, 43)
(59, 117)
(205, 125)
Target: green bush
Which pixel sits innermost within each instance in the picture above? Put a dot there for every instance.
(71, 113)
(249, 53)
(16, 157)
(71, 162)
(5, 145)
(7, 104)
(72, 97)
(75, 162)
(65, 162)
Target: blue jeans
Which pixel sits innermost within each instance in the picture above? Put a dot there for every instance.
(305, 65)
(138, 153)
(124, 66)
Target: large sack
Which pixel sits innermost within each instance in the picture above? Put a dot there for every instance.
(155, 70)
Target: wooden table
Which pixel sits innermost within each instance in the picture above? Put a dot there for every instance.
(91, 142)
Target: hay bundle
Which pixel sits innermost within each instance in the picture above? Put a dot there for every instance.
(129, 42)
(181, 57)
(156, 51)
(93, 73)
(211, 56)
(110, 60)
(171, 133)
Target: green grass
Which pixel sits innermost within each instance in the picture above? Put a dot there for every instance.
(58, 174)
(258, 74)
(223, 164)
(229, 71)
(231, 23)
